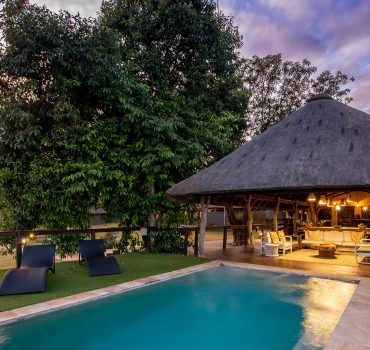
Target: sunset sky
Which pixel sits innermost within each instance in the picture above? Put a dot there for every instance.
(332, 34)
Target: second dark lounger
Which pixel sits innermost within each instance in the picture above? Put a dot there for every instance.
(93, 251)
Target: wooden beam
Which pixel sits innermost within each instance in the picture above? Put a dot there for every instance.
(204, 202)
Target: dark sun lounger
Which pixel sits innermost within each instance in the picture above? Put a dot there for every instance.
(37, 260)
(93, 252)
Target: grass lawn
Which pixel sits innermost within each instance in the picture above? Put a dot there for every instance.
(71, 278)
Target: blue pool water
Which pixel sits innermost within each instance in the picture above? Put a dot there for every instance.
(220, 308)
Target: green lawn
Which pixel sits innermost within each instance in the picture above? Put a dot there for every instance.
(71, 278)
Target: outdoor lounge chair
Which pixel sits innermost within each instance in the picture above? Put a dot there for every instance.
(362, 249)
(37, 260)
(93, 252)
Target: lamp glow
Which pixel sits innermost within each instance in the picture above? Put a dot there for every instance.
(337, 207)
(322, 200)
(311, 197)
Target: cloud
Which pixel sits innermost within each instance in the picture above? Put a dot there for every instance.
(86, 8)
(334, 35)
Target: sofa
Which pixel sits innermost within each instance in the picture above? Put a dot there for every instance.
(346, 238)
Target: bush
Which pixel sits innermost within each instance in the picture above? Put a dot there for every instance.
(67, 244)
(7, 245)
(129, 242)
(168, 242)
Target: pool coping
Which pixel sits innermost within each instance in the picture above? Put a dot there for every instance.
(351, 332)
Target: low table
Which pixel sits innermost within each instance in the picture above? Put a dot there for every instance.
(271, 249)
(327, 250)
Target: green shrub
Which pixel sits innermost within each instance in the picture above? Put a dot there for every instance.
(8, 245)
(67, 244)
(168, 242)
(129, 242)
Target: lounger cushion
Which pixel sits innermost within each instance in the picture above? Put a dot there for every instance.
(21, 281)
(281, 235)
(274, 237)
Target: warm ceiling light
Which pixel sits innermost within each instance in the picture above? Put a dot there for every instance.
(349, 199)
(343, 202)
(311, 197)
(322, 200)
(329, 203)
(337, 207)
(364, 208)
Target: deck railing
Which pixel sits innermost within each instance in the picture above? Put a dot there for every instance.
(185, 231)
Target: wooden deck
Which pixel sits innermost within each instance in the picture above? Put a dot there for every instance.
(343, 266)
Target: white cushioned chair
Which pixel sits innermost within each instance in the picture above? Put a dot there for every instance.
(362, 249)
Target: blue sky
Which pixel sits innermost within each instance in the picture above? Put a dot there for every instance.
(332, 34)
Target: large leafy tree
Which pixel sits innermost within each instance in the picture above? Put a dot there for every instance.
(86, 119)
(186, 54)
(277, 88)
(59, 76)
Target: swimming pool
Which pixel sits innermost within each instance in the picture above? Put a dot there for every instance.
(219, 308)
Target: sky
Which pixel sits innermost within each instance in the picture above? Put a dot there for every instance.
(332, 34)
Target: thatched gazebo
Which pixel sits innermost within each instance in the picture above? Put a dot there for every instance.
(322, 148)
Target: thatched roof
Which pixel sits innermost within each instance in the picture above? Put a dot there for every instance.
(323, 146)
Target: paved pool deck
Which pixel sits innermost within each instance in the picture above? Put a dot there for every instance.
(351, 332)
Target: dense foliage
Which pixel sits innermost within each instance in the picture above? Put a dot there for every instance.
(277, 88)
(111, 112)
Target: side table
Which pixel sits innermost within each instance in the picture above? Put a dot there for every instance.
(271, 249)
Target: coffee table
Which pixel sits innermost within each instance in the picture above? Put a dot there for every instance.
(327, 250)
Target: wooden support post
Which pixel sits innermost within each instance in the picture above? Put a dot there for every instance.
(204, 204)
(196, 242)
(276, 211)
(224, 238)
(250, 220)
(18, 250)
(186, 240)
(295, 218)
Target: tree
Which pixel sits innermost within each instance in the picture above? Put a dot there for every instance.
(58, 74)
(277, 88)
(186, 54)
(86, 120)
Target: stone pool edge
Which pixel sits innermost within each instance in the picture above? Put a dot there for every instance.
(34, 310)
(350, 332)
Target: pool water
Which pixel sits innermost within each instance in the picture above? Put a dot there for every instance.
(219, 308)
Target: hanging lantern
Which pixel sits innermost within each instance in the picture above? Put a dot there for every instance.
(349, 199)
(322, 200)
(343, 202)
(329, 203)
(311, 197)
